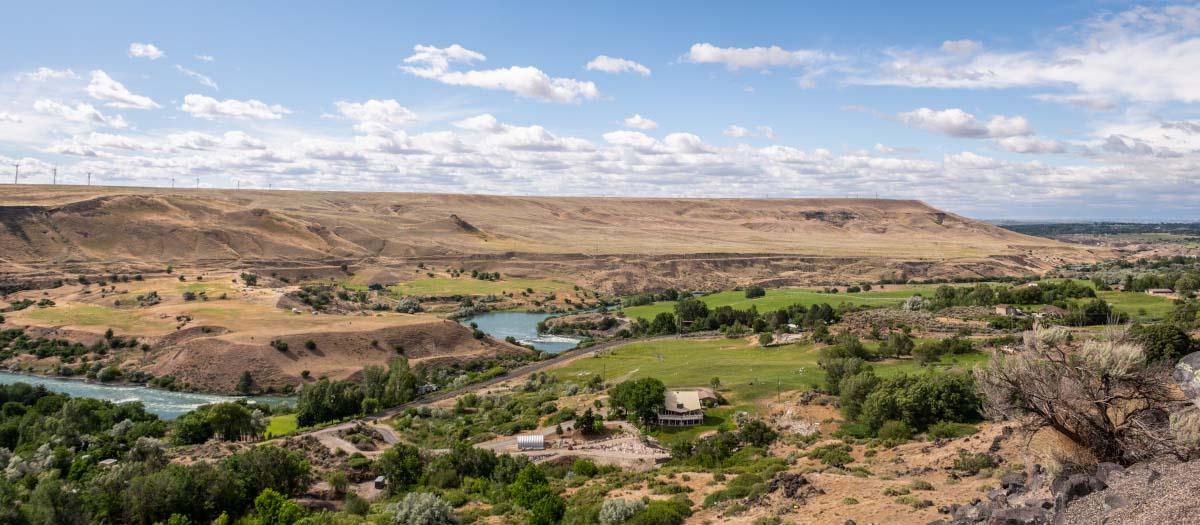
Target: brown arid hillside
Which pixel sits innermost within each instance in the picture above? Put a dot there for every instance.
(611, 244)
(230, 328)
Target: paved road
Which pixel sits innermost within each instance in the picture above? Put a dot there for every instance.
(516, 373)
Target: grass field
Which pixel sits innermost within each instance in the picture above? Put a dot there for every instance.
(282, 425)
(87, 315)
(781, 298)
(1134, 303)
(444, 286)
(747, 372)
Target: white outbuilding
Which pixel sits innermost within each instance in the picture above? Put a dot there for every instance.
(531, 442)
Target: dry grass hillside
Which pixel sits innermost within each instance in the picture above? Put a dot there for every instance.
(615, 244)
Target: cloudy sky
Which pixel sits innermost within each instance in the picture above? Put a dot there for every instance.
(994, 110)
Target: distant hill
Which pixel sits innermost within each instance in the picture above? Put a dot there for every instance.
(609, 243)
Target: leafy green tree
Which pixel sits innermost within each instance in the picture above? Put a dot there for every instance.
(1163, 341)
(274, 508)
(663, 323)
(690, 310)
(230, 420)
(640, 398)
(757, 433)
(270, 467)
(755, 291)
(401, 466)
(52, 503)
(838, 368)
(853, 392)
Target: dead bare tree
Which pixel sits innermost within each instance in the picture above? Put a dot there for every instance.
(1103, 395)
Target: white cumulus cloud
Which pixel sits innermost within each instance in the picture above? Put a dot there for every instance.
(376, 112)
(210, 108)
(639, 122)
(81, 112)
(734, 58)
(115, 94)
(44, 73)
(435, 63)
(140, 50)
(609, 64)
(955, 122)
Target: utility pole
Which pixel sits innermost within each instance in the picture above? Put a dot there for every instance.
(54, 180)
(172, 182)
(197, 182)
(89, 178)
(16, 171)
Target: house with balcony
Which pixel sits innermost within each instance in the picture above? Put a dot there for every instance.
(681, 408)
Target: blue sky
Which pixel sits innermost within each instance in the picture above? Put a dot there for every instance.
(1015, 110)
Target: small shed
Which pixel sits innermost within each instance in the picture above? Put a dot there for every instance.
(106, 463)
(380, 482)
(531, 442)
(1008, 310)
(1160, 292)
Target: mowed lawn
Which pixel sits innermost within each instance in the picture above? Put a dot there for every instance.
(1140, 306)
(282, 425)
(782, 298)
(466, 285)
(747, 371)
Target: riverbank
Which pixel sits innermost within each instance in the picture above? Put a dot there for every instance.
(165, 404)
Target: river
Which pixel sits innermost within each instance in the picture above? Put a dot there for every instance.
(523, 327)
(163, 403)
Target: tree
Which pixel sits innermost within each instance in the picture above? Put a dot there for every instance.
(245, 383)
(755, 291)
(765, 339)
(275, 509)
(853, 392)
(270, 467)
(663, 323)
(422, 508)
(401, 466)
(1162, 341)
(230, 420)
(1187, 285)
(52, 504)
(757, 433)
(838, 368)
(897, 344)
(1104, 396)
(640, 398)
(690, 309)
(588, 423)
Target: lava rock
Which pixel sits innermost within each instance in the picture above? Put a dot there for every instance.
(1020, 516)
(1070, 487)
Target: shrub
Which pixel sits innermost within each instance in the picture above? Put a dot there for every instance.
(356, 505)
(834, 455)
(757, 433)
(973, 462)
(279, 344)
(615, 511)
(310, 344)
(755, 291)
(950, 430)
(921, 485)
(895, 431)
(422, 508)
